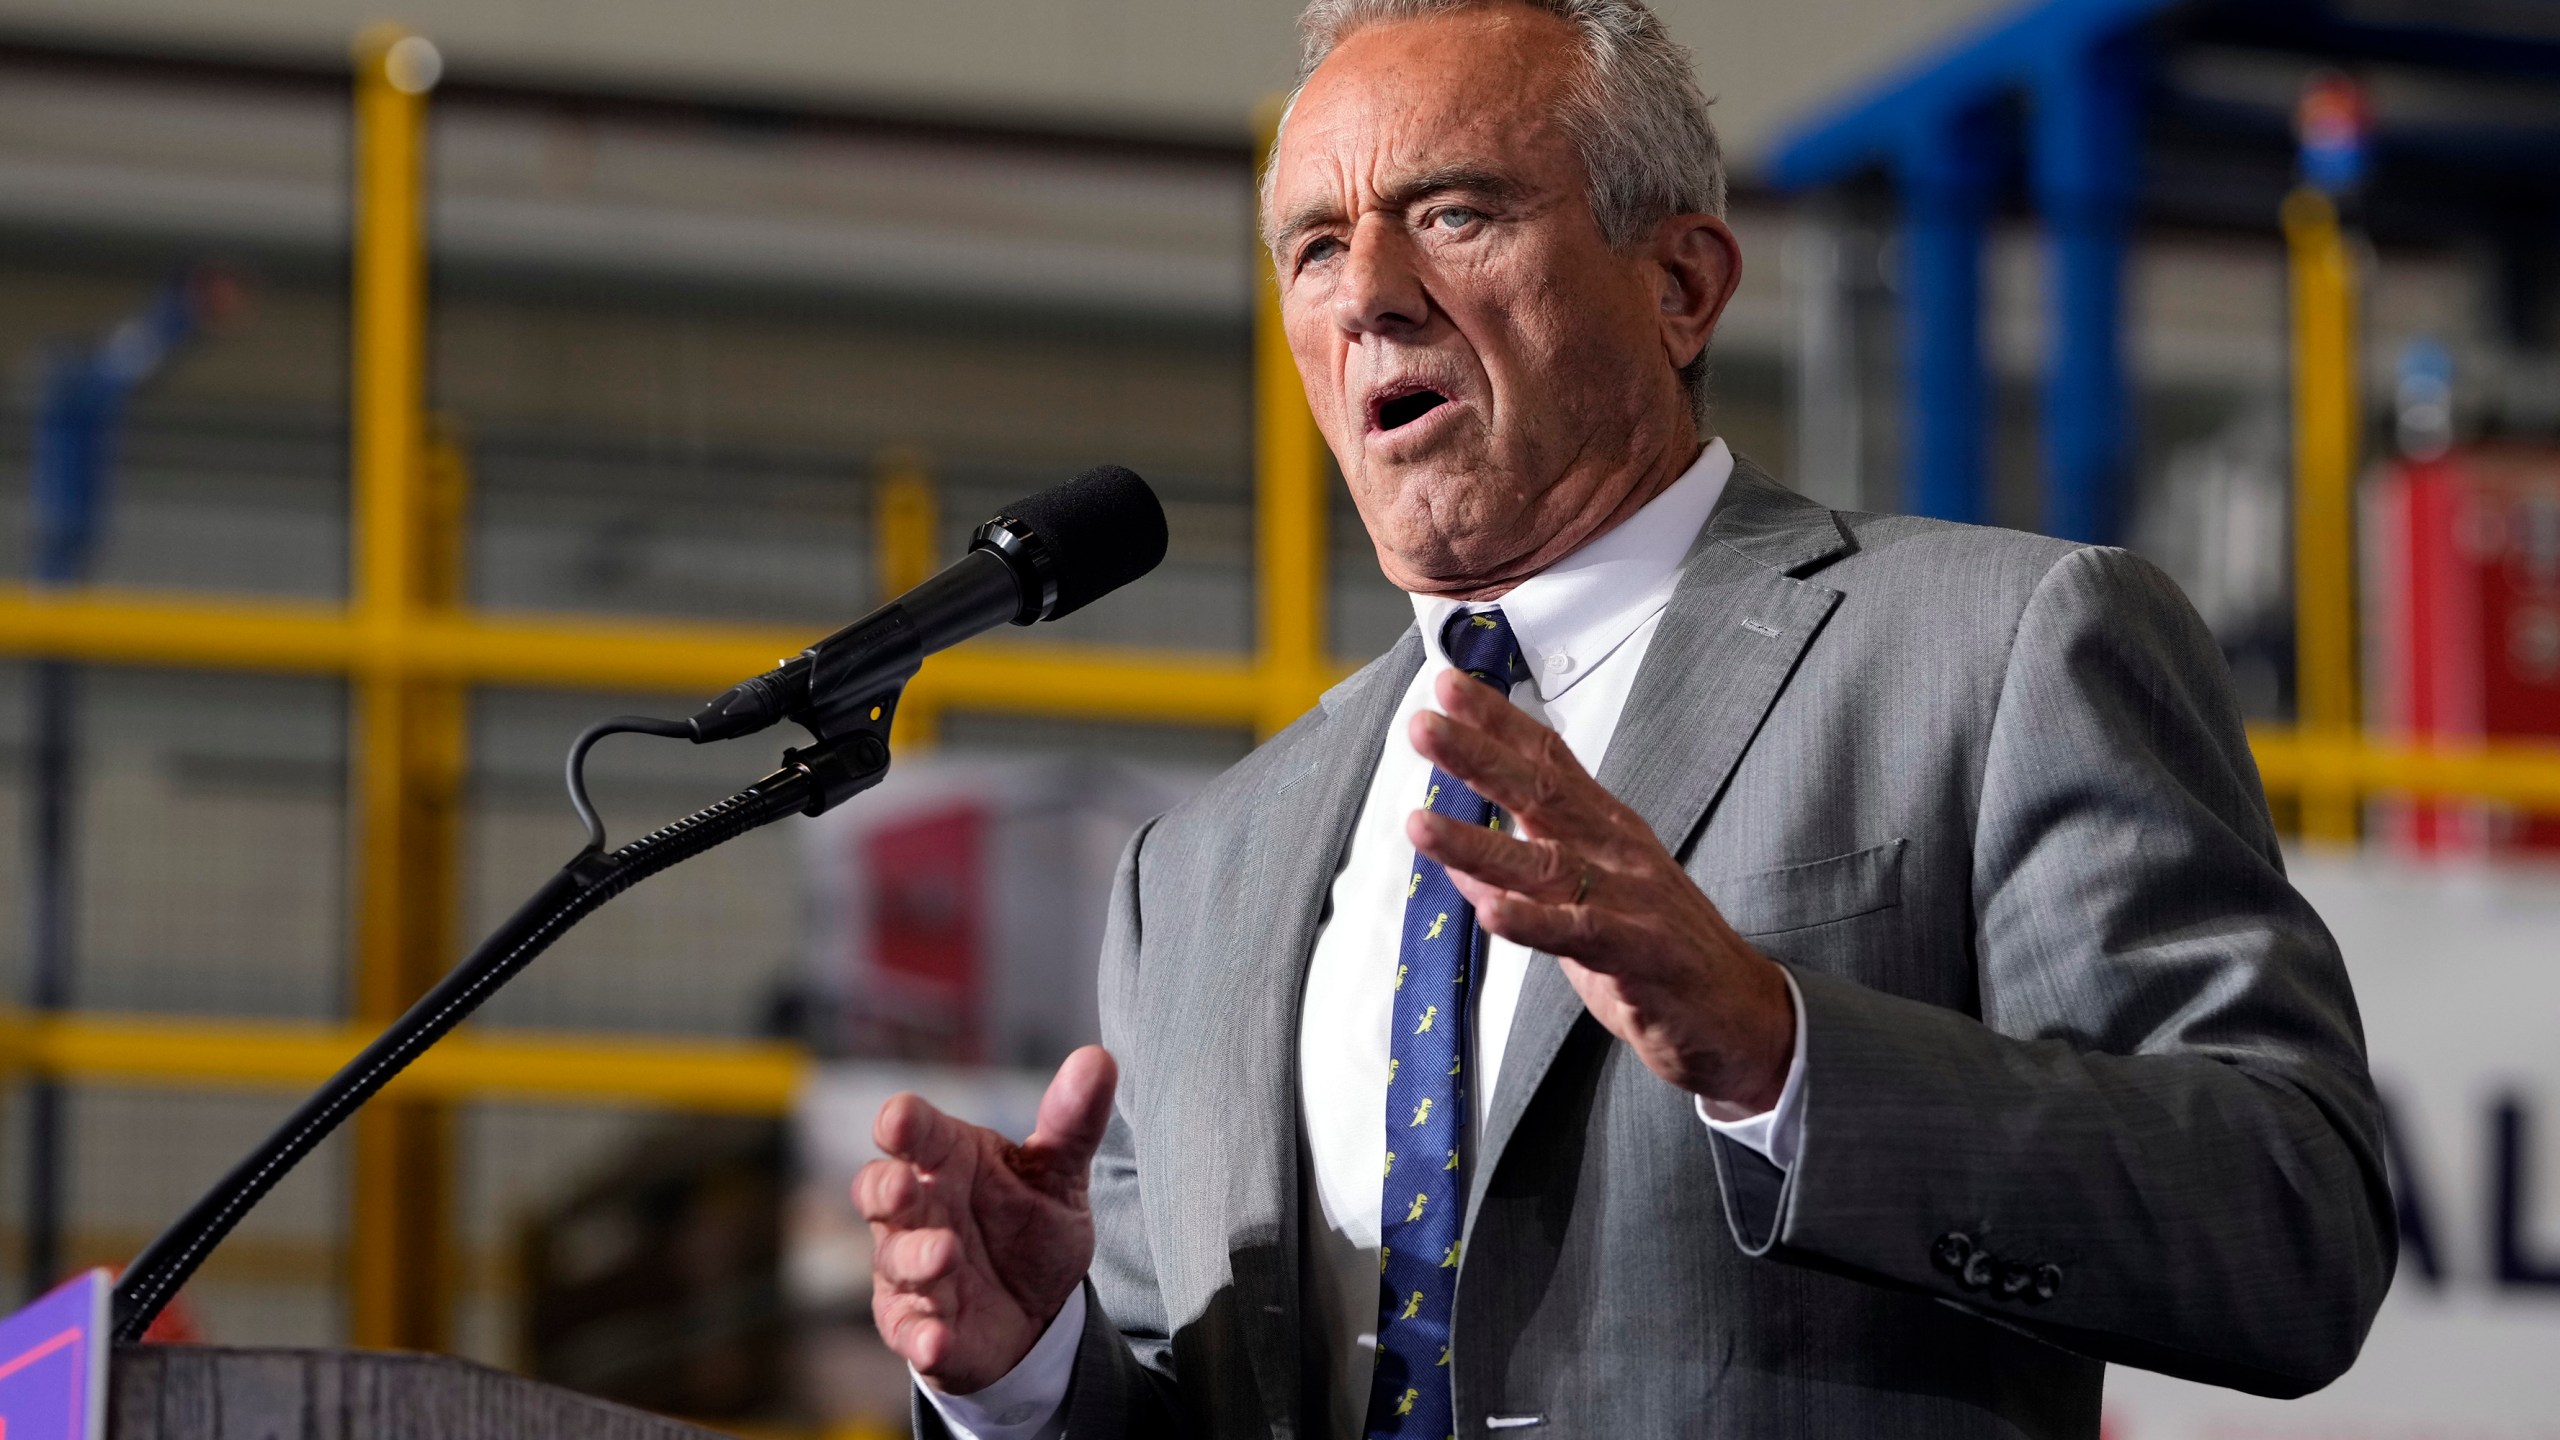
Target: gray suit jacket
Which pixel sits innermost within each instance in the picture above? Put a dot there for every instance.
(2084, 1079)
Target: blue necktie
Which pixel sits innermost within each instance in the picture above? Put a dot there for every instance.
(1423, 1200)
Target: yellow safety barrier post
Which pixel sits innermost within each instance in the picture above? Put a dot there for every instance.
(906, 526)
(1292, 475)
(410, 748)
(2524, 774)
(2326, 423)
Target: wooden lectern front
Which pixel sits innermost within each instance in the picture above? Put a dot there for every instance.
(205, 1392)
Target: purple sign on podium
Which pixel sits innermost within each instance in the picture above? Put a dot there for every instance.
(53, 1364)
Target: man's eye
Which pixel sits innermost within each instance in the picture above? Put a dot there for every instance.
(1456, 217)
(1315, 251)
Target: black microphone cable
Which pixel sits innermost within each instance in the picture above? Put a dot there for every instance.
(586, 741)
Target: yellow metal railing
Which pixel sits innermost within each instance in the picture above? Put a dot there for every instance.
(1289, 504)
(2326, 419)
(714, 1076)
(410, 649)
(410, 741)
(129, 627)
(2301, 763)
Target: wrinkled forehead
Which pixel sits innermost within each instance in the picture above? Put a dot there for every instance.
(1479, 91)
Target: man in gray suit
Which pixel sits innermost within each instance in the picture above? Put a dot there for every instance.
(1911, 1016)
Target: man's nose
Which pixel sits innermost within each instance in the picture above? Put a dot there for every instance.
(1381, 292)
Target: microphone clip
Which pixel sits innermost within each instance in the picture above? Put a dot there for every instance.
(842, 768)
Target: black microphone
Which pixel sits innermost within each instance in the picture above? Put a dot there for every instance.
(1039, 558)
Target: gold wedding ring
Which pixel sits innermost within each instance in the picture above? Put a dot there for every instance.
(1584, 888)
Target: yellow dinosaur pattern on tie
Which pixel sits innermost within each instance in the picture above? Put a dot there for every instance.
(1422, 1207)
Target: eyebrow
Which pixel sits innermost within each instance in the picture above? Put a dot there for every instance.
(1446, 179)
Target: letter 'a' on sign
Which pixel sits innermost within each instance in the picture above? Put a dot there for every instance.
(53, 1363)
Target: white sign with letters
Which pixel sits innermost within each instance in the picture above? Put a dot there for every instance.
(2457, 971)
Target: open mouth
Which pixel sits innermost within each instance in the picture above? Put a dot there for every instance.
(1398, 411)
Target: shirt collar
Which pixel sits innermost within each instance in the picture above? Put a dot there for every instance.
(1575, 613)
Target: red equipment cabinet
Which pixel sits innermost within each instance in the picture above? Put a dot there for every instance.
(2465, 565)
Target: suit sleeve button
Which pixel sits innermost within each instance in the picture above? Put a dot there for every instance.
(2014, 1281)
(2047, 1283)
(1976, 1272)
(1952, 1250)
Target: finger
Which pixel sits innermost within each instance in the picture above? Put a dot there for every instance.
(912, 1328)
(895, 1194)
(1493, 766)
(1526, 770)
(911, 1129)
(1581, 933)
(1539, 867)
(1474, 703)
(916, 1260)
(1076, 1110)
(1481, 708)
(889, 1192)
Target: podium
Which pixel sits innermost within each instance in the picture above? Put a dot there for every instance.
(207, 1392)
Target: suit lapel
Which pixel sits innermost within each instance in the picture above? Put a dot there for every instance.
(1729, 638)
(1298, 840)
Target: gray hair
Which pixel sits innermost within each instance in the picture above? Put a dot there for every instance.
(1635, 114)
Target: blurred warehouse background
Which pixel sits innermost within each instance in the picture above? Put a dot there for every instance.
(735, 320)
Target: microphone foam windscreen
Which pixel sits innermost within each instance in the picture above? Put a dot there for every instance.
(1103, 529)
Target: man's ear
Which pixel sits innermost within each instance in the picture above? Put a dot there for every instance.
(1700, 265)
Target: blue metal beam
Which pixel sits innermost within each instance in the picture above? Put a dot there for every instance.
(1948, 173)
(2079, 64)
(2084, 152)
(1996, 58)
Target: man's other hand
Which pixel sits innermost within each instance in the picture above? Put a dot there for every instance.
(977, 1242)
(1588, 882)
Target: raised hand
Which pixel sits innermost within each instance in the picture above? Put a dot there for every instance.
(977, 1242)
(1588, 882)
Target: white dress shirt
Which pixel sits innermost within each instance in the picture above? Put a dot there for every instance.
(1583, 624)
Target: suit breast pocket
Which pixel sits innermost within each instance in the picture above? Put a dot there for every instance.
(1842, 915)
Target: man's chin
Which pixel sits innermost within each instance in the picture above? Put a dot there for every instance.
(1452, 465)
(1450, 538)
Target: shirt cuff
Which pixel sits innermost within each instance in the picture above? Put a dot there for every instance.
(1029, 1403)
(1777, 1133)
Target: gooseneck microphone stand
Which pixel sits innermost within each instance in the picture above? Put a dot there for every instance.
(1043, 557)
(809, 782)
